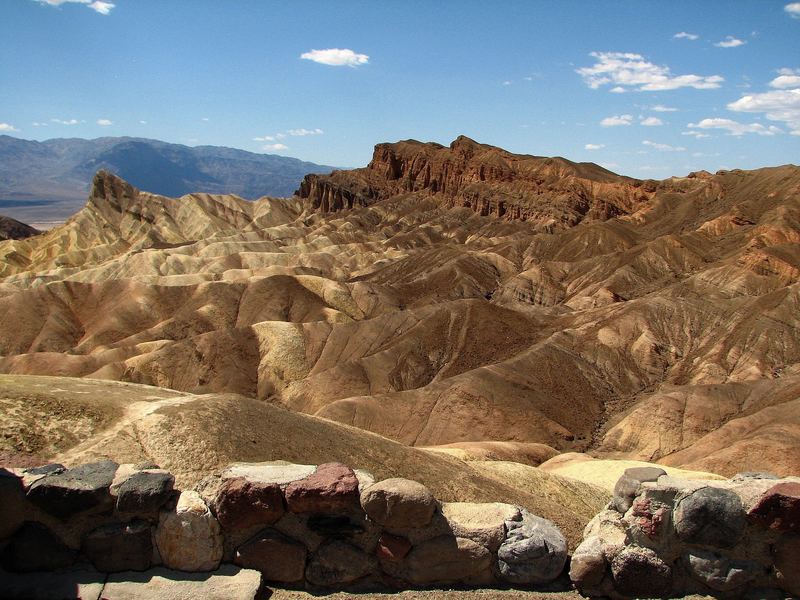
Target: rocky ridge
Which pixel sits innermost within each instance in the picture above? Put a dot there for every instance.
(672, 326)
(11, 229)
(485, 179)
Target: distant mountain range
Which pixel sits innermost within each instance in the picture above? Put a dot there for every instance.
(51, 179)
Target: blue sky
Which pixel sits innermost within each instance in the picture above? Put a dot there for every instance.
(648, 89)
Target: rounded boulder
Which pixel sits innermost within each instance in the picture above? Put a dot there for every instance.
(399, 503)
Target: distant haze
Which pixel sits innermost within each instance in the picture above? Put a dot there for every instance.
(50, 180)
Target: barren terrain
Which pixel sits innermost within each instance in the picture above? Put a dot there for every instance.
(463, 299)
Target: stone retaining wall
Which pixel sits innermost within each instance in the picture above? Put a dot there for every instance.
(325, 527)
(665, 537)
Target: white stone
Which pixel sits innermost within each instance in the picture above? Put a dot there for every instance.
(481, 523)
(279, 472)
(189, 538)
(227, 583)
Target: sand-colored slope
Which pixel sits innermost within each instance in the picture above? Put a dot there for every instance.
(665, 315)
(193, 436)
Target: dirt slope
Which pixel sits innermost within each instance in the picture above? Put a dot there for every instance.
(643, 320)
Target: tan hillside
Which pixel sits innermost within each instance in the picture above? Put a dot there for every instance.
(193, 436)
(470, 297)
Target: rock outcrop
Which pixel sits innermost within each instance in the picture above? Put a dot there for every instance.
(730, 539)
(486, 179)
(11, 229)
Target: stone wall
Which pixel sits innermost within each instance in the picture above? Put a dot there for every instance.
(665, 537)
(325, 527)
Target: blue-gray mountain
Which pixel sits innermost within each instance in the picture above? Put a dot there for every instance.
(51, 179)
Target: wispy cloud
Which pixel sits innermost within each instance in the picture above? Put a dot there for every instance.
(625, 70)
(683, 35)
(99, 6)
(275, 147)
(662, 108)
(7, 127)
(781, 104)
(793, 9)
(734, 127)
(38, 124)
(65, 121)
(336, 57)
(594, 146)
(104, 122)
(696, 134)
(301, 132)
(304, 132)
(650, 121)
(786, 79)
(617, 121)
(663, 147)
(730, 42)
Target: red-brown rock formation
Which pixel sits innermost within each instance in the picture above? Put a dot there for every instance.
(489, 180)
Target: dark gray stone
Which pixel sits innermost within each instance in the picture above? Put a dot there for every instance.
(534, 551)
(719, 572)
(75, 490)
(120, 547)
(276, 556)
(145, 492)
(12, 503)
(337, 563)
(710, 517)
(35, 548)
(628, 484)
(51, 469)
(754, 475)
(640, 573)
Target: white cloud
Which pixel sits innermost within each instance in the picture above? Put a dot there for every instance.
(275, 147)
(617, 90)
(617, 120)
(662, 108)
(104, 122)
(734, 127)
(785, 81)
(206, 119)
(787, 78)
(730, 42)
(631, 71)
(7, 127)
(102, 7)
(98, 6)
(594, 146)
(304, 132)
(37, 124)
(793, 9)
(336, 57)
(650, 121)
(65, 121)
(696, 134)
(778, 105)
(507, 82)
(686, 36)
(143, 122)
(663, 147)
